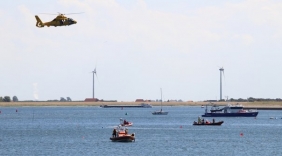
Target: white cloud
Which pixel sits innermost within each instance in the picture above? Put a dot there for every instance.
(152, 29)
(246, 39)
(136, 38)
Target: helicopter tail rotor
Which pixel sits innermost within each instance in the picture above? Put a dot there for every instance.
(39, 23)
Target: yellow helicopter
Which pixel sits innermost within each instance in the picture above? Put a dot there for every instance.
(60, 20)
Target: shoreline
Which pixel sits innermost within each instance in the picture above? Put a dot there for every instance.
(80, 103)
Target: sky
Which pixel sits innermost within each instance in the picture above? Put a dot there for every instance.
(140, 46)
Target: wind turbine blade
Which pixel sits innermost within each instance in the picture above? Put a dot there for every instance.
(96, 71)
(96, 74)
(97, 78)
(224, 77)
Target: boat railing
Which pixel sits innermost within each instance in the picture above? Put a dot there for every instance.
(253, 110)
(237, 105)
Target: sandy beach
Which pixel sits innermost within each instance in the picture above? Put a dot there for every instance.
(80, 103)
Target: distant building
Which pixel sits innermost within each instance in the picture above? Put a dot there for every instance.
(139, 100)
(91, 100)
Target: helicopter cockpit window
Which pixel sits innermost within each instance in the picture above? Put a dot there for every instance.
(70, 19)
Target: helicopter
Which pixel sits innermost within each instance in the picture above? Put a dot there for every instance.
(60, 20)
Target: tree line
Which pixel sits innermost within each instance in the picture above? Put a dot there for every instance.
(15, 99)
(252, 99)
(8, 99)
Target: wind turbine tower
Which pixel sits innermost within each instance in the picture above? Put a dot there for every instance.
(94, 73)
(221, 70)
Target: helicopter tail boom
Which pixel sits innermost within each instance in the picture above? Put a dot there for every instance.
(39, 23)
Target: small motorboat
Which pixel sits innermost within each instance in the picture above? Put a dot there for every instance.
(125, 123)
(122, 135)
(124, 138)
(208, 123)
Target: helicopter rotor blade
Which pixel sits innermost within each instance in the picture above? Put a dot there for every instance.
(74, 13)
(48, 14)
(62, 14)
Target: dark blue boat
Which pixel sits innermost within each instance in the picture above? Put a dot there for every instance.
(230, 111)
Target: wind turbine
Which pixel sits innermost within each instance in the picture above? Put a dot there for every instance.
(221, 70)
(94, 73)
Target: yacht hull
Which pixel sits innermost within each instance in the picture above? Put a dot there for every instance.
(160, 113)
(125, 138)
(248, 114)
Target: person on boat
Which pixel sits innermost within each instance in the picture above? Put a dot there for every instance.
(203, 121)
(126, 131)
(213, 121)
(199, 120)
(114, 133)
(121, 121)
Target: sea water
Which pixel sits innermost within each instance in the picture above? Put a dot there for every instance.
(86, 131)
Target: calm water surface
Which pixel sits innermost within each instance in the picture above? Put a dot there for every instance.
(86, 131)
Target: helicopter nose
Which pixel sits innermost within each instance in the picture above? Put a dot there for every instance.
(74, 22)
